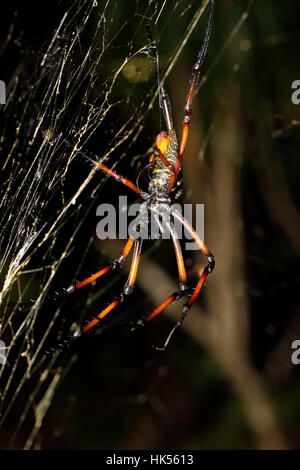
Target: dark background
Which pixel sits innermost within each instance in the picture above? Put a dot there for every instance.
(226, 381)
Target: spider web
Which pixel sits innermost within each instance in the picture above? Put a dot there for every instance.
(79, 90)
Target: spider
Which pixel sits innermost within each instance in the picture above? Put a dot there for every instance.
(163, 188)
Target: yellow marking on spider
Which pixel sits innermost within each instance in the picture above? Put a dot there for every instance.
(158, 180)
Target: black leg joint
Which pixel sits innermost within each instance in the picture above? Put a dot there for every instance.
(211, 264)
(117, 263)
(121, 297)
(183, 287)
(179, 294)
(127, 289)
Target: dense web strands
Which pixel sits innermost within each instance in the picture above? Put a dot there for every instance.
(72, 91)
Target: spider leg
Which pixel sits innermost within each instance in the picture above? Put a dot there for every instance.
(164, 101)
(117, 177)
(207, 270)
(157, 153)
(166, 162)
(204, 249)
(182, 276)
(191, 90)
(116, 264)
(110, 172)
(127, 289)
(187, 307)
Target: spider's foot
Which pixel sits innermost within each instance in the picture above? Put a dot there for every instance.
(160, 348)
(50, 352)
(61, 293)
(58, 348)
(65, 344)
(136, 325)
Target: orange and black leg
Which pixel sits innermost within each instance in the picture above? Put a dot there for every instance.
(109, 172)
(127, 290)
(182, 275)
(204, 249)
(116, 264)
(207, 270)
(191, 91)
(164, 101)
(183, 288)
(117, 177)
(189, 304)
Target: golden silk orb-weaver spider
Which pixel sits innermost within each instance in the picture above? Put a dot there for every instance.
(163, 188)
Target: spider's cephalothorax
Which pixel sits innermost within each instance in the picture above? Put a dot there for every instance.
(164, 186)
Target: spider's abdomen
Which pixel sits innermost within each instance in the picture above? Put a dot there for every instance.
(167, 145)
